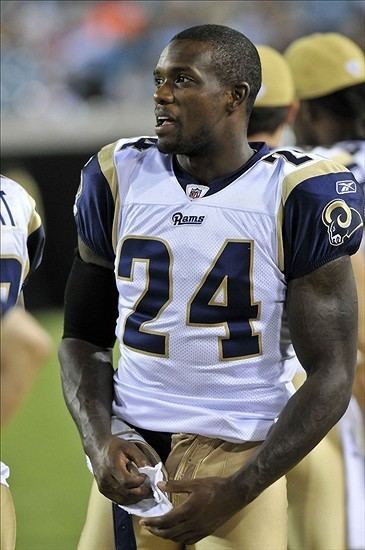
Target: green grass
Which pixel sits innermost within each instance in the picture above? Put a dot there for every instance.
(49, 479)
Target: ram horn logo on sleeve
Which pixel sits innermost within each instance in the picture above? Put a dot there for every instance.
(341, 221)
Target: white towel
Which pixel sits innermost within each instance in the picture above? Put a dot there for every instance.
(5, 472)
(159, 504)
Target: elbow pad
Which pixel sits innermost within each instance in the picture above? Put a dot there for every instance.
(91, 304)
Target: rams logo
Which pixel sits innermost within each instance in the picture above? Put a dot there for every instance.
(341, 221)
(179, 219)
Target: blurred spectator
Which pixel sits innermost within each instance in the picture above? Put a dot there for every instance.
(59, 55)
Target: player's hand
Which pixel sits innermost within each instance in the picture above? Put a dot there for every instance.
(211, 502)
(115, 470)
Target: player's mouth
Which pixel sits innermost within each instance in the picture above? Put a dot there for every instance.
(164, 124)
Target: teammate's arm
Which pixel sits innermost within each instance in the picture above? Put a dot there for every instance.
(24, 349)
(322, 314)
(87, 376)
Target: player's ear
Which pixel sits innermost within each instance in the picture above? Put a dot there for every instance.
(238, 94)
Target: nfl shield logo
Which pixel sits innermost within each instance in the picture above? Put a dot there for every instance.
(195, 193)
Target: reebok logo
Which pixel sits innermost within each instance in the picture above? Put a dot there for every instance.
(343, 187)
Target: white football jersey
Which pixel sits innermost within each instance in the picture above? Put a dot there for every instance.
(22, 240)
(349, 153)
(202, 274)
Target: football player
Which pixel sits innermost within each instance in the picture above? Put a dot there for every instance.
(272, 115)
(329, 75)
(24, 344)
(22, 240)
(191, 246)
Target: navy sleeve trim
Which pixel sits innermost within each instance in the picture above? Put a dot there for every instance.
(94, 211)
(323, 220)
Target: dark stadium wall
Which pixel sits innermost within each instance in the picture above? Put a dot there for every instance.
(57, 177)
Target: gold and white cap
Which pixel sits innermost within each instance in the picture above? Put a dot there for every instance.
(323, 63)
(277, 89)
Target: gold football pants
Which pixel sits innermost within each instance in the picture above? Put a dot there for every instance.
(262, 525)
(317, 500)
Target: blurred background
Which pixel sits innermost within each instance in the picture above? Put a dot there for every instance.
(76, 75)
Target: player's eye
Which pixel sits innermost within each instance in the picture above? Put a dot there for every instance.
(183, 79)
(158, 81)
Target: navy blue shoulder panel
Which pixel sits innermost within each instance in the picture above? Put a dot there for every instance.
(94, 210)
(323, 220)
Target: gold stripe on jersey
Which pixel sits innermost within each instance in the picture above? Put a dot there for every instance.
(35, 221)
(315, 169)
(106, 162)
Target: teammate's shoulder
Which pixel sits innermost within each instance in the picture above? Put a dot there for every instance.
(351, 153)
(13, 188)
(337, 153)
(14, 194)
(19, 210)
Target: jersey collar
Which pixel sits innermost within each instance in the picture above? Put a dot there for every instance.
(185, 179)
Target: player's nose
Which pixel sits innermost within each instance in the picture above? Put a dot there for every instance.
(163, 94)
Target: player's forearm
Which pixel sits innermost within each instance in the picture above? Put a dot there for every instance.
(87, 381)
(322, 316)
(312, 411)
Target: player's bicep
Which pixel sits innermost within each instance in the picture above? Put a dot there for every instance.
(322, 316)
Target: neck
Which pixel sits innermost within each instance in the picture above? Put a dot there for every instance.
(209, 166)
